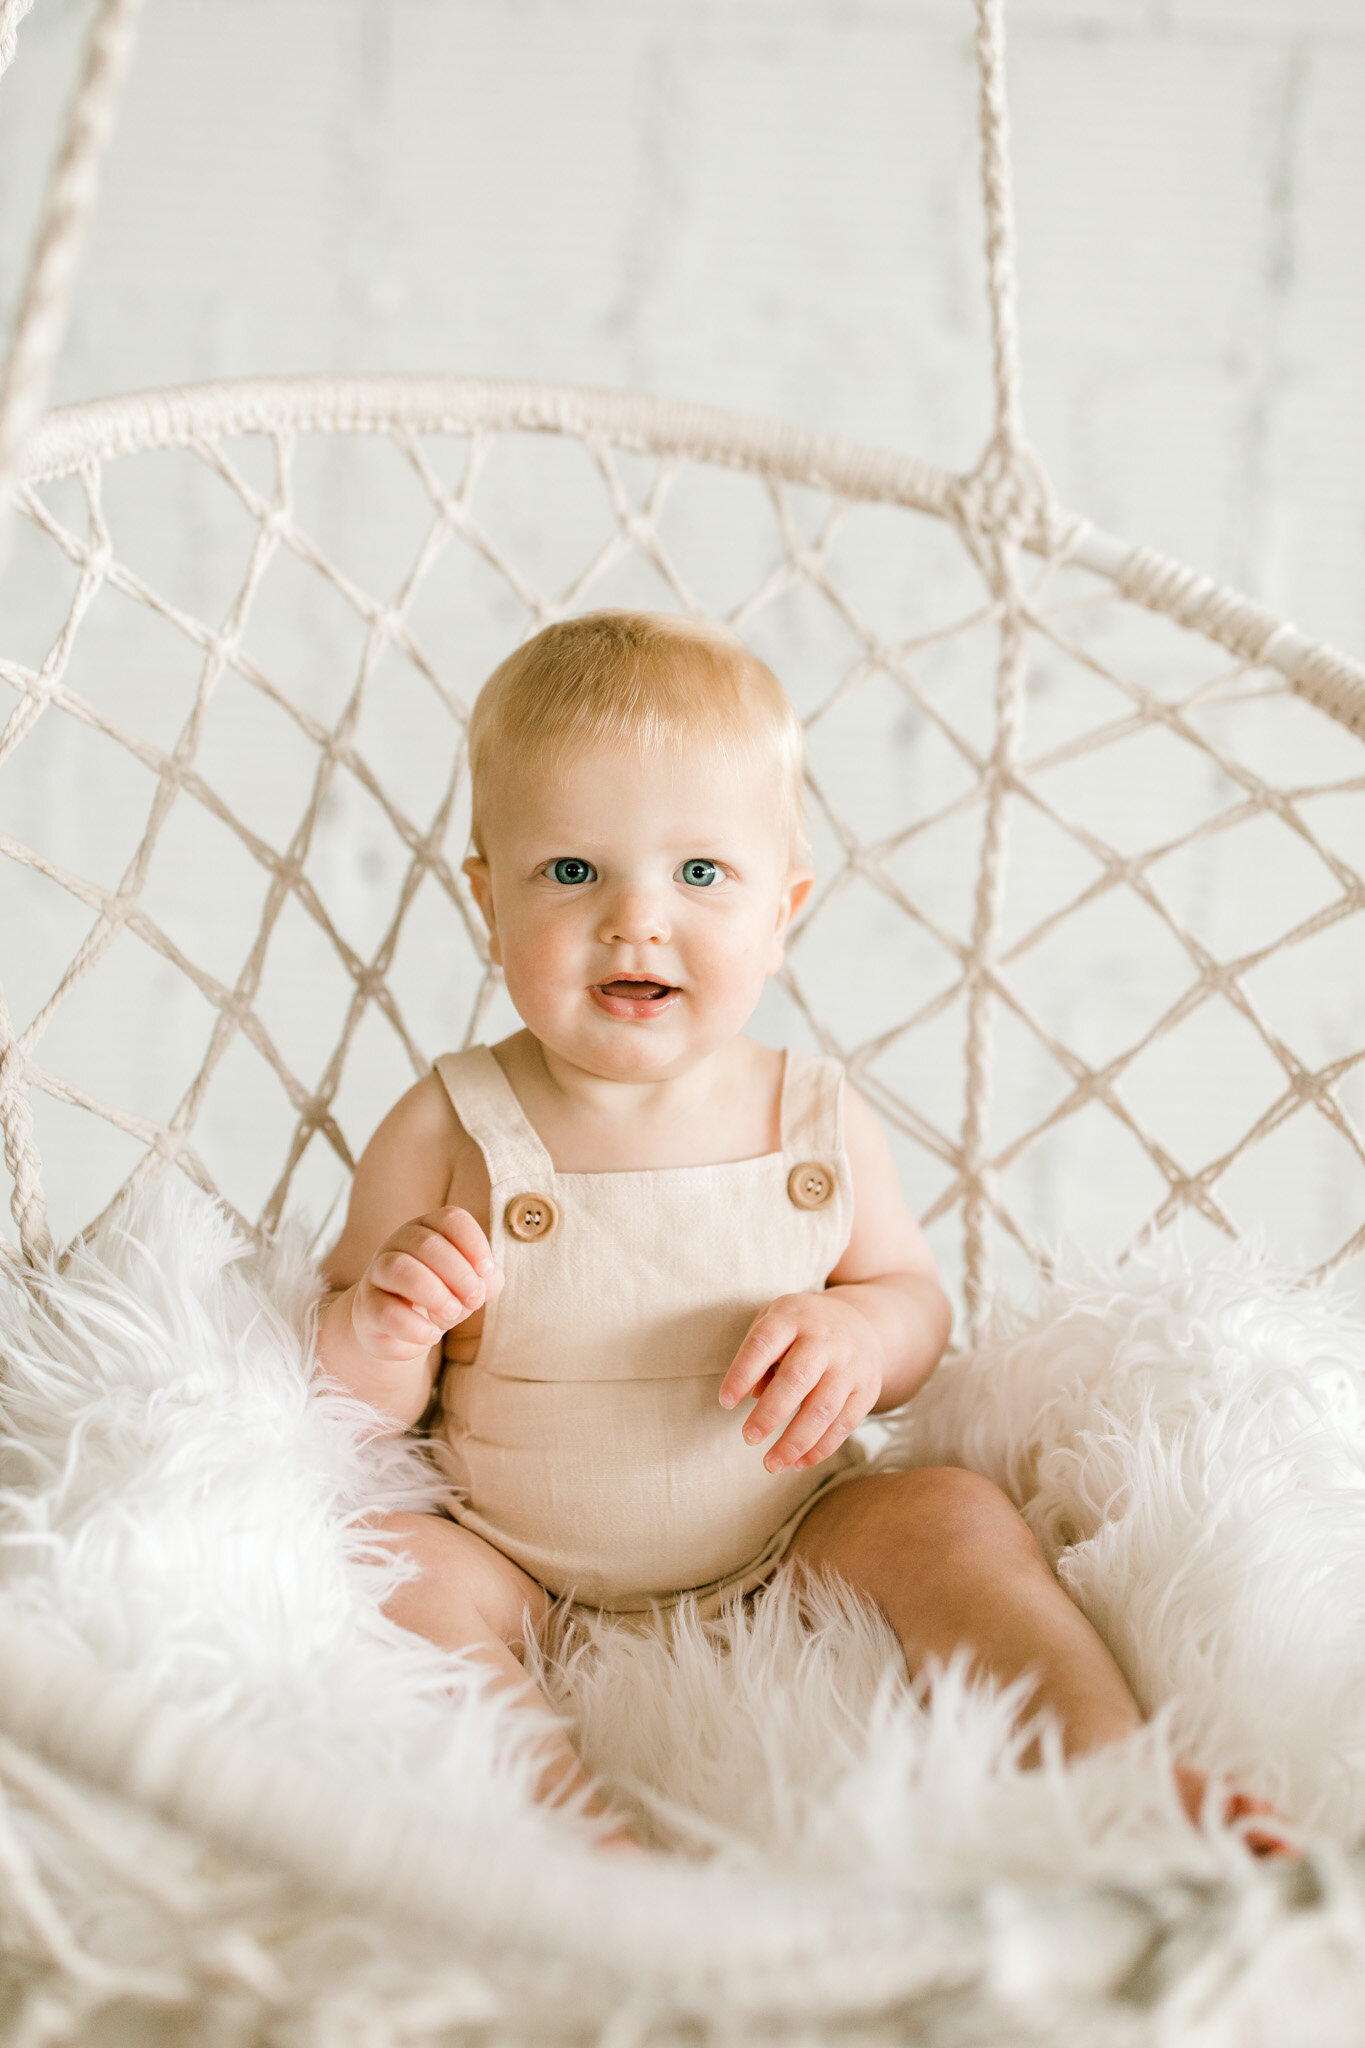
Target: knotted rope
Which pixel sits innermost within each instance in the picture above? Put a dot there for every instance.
(71, 196)
(21, 1152)
(12, 13)
(38, 333)
(1003, 507)
(1005, 503)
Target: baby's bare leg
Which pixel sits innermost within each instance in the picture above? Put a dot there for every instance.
(471, 1597)
(953, 1565)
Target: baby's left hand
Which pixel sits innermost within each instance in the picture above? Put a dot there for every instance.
(811, 1358)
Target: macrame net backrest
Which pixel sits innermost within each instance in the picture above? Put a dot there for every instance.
(244, 626)
(234, 804)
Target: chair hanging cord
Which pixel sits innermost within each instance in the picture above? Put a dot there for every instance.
(12, 13)
(38, 333)
(21, 1150)
(1006, 501)
(72, 193)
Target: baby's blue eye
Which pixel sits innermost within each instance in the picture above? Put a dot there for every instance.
(700, 873)
(572, 870)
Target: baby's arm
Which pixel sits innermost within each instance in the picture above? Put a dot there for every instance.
(407, 1267)
(887, 1271)
(823, 1362)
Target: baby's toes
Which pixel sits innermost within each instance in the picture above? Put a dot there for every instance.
(1276, 1838)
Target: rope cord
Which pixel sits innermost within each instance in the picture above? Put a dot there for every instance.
(353, 1841)
(46, 301)
(1006, 500)
(21, 1150)
(12, 13)
(1003, 506)
(71, 439)
(688, 442)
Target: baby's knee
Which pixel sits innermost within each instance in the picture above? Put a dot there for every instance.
(464, 1587)
(948, 1519)
(938, 1521)
(962, 1517)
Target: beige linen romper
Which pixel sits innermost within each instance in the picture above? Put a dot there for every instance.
(586, 1440)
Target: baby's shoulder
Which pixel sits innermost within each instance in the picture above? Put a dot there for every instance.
(865, 1140)
(456, 1157)
(403, 1172)
(422, 1124)
(885, 1238)
(422, 1157)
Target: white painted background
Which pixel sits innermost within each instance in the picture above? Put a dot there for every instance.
(771, 205)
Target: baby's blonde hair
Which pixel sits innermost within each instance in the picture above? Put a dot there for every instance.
(638, 679)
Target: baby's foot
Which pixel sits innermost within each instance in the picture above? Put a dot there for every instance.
(622, 1840)
(1275, 1839)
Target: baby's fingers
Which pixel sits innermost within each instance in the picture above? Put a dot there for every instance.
(431, 1262)
(817, 1417)
(767, 1337)
(462, 1230)
(411, 1279)
(845, 1422)
(801, 1370)
(386, 1319)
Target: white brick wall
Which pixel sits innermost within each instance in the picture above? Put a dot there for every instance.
(771, 205)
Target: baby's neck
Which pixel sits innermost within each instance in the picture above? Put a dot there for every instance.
(726, 1107)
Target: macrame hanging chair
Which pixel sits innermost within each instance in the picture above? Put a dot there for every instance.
(980, 673)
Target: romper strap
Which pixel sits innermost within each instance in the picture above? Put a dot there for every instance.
(486, 1103)
(813, 1105)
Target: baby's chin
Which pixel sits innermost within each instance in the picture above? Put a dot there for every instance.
(631, 1043)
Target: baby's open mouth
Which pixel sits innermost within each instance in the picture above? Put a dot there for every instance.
(635, 999)
(637, 991)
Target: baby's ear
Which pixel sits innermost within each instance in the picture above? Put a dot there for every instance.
(795, 896)
(795, 892)
(479, 876)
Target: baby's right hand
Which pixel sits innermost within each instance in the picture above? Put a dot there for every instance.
(430, 1275)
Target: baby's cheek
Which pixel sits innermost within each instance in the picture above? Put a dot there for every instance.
(734, 967)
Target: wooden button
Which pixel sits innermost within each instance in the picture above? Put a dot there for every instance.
(531, 1216)
(810, 1185)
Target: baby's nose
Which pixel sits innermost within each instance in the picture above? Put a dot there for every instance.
(635, 917)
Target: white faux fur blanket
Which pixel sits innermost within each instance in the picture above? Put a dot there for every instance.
(1187, 1438)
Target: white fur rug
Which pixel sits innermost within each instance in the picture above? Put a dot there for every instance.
(1187, 1437)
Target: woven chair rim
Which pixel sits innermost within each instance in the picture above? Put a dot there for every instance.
(106, 428)
(127, 423)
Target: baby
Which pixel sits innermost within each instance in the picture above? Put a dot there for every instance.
(643, 1276)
